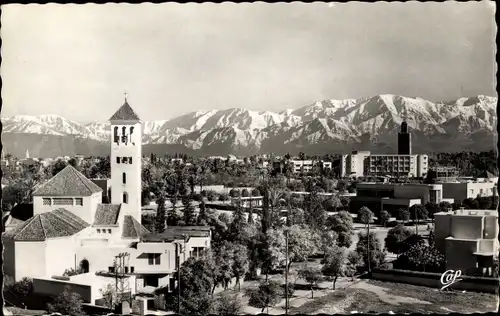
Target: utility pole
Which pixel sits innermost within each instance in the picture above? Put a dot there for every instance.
(368, 247)
(286, 271)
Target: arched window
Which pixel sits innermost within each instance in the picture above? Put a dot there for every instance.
(124, 130)
(84, 266)
(131, 130)
(124, 178)
(116, 134)
(125, 197)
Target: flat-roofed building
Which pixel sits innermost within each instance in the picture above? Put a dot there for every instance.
(460, 191)
(393, 196)
(468, 239)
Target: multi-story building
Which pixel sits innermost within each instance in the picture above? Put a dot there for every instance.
(393, 196)
(404, 164)
(446, 173)
(363, 164)
(460, 191)
(307, 166)
(468, 239)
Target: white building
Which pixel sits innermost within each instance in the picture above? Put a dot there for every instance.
(306, 166)
(363, 163)
(72, 229)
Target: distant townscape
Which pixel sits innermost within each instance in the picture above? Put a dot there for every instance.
(337, 230)
(465, 124)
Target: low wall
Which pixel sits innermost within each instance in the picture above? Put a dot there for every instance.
(56, 287)
(468, 283)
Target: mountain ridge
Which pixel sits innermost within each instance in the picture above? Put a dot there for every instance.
(338, 125)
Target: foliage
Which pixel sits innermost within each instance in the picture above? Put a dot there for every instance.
(301, 243)
(421, 257)
(395, 238)
(197, 285)
(245, 193)
(227, 304)
(312, 276)
(335, 263)
(411, 241)
(403, 214)
(71, 271)
(109, 295)
(365, 216)
(384, 217)
(268, 294)
(418, 211)
(328, 239)
(189, 217)
(354, 263)
(21, 288)
(211, 196)
(241, 262)
(234, 193)
(225, 261)
(160, 215)
(67, 303)
(223, 197)
(376, 255)
(342, 224)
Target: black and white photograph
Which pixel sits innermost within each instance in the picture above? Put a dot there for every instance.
(249, 158)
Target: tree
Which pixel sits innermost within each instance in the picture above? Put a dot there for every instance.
(384, 217)
(271, 250)
(189, 215)
(109, 295)
(365, 216)
(22, 288)
(58, 166)
(160, 215)
(395, 238)
(421, 257)
(202, 215)
(354, 263)
(403, 214)
(471, 204)
(245, 193)
(225, 262)
(223, 197)
(301, 244)
(335, 263)
(342, 224)
(484, 202)
(240, 262)
(234, 193)
(417, 212)
(268, 294)
(227, 304)
(369, 248)
(256, 192)
(211, 196)
(327, 239)
(312, 276)
(67, 303)
(237, 226)
(197, 283)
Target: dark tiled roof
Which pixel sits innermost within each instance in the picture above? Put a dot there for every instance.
(125, 113)
(107, 214)
(68, 182)
(132, 228)
(58, 223)
(178, 232)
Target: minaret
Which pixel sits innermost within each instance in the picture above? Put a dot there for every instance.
(126, 154)
(404, 138)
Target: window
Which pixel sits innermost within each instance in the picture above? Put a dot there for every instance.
(124, 178)
(131, 130)
(124, 160)
(117, 159)
(130, 160)
(154, 259)
(109, 231)
(111, 269)
(116, 137)
(124, 137)
(47, 202)
(132, 269)
(79, 201)
(98, 231)
(125, 197)
(63, 201)
(126, 269)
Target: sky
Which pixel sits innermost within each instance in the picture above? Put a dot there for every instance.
(77, 61)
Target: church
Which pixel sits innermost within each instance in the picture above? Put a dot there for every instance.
(72, 229)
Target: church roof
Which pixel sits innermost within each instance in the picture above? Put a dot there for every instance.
(58, 223)
(107, 214)
(68, 182)
(125, 113)
(132, 228)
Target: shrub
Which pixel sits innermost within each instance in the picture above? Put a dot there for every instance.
(67, 303)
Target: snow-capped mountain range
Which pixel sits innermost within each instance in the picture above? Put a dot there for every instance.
(324, 126)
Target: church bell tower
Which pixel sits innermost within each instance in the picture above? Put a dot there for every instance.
(126, 157)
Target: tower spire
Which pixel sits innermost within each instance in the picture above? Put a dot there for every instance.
(125, 94)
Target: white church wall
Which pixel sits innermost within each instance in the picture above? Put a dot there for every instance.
(60, 255)
(29, 259)
(85, 211)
